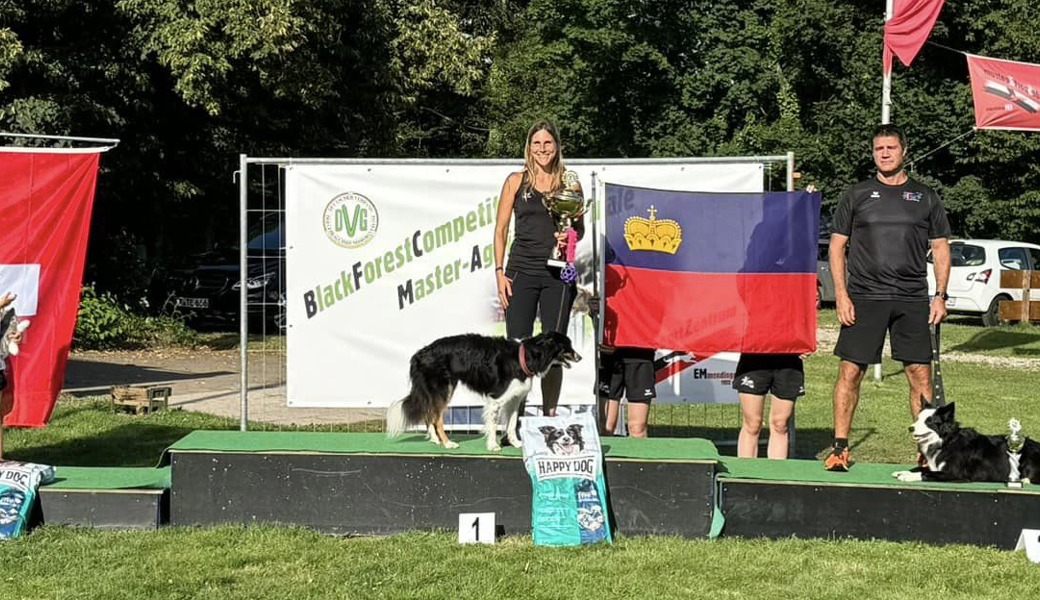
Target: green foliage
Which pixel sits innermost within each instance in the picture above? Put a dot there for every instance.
(10, 48)
(103, 323)
(189, 84)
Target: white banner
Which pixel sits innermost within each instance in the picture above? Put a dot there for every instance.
(382, 259)
(692, 379)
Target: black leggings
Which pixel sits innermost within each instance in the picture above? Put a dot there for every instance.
(552, 299)
(544, 293)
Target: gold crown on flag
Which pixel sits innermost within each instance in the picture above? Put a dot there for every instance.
(651, 234)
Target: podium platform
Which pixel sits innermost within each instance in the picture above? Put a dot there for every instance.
(362, 483)
(106, 497)
(775, 499)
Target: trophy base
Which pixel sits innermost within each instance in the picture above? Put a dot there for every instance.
(554, 262)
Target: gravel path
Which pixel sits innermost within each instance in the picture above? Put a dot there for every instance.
(826, 339)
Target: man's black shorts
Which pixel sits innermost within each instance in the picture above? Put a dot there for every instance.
(862, 341)
(782, 375)
(628, 371)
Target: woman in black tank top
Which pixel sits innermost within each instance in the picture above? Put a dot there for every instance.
(526, 284)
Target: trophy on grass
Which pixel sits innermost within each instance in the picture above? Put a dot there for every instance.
(565, 206)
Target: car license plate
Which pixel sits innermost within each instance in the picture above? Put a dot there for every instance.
(193, 302)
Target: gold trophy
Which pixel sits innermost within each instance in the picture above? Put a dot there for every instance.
(565, 206)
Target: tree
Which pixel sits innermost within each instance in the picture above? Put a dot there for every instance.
(187, 86)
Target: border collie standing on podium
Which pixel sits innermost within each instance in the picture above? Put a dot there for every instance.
(499, 370)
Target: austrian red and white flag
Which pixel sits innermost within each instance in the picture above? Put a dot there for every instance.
(46, 198)
(908, 29)
(1006, 93)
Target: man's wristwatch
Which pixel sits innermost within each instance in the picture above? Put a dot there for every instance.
(942, 295)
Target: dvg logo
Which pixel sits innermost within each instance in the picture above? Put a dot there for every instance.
(351, 220)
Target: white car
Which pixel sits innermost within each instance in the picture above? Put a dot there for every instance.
(974, 286)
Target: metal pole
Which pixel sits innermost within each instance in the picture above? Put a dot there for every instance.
(600, 269)
(790, 421)
(285, 161)
(243, 315)
(595, 293)
(70, 138)
(886, 114)
(886, 82)
(790, 171)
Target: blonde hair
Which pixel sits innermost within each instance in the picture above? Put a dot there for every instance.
(555, 167)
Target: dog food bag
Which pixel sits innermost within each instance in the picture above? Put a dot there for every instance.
(18, 484)
(565, 462)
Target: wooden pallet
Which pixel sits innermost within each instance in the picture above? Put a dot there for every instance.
(140, 399)
(1027, 309)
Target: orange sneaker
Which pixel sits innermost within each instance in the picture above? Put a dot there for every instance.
(838, 460)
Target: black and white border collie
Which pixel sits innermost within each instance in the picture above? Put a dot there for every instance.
(956, 453)
(497, 369)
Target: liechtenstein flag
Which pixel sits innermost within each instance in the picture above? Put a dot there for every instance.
(711, 272)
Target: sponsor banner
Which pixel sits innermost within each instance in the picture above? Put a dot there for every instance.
(1006, 93)
(565, 462)
(712, 272)
(46, 199)
(684, 378)
(382, 259)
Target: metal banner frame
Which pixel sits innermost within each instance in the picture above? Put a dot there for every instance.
(246, 161)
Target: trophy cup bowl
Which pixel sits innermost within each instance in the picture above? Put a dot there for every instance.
(565, 206)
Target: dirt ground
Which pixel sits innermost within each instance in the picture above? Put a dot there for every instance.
(203, 380)
(208, 380)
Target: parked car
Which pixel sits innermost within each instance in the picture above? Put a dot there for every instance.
(208, 290)
(975, 267)
(824, 281)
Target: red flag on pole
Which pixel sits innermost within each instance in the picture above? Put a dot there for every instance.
(45, 199)
(909, 28)
(1006, 93)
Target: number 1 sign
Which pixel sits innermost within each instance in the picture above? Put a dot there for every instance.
(477, 528)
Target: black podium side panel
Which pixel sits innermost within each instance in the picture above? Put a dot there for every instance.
(104, 509)
(374, 494)
(347, 493)
(777, 509)
(661, 498)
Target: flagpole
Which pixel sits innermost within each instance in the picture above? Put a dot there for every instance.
(886, 83)
(886, 112)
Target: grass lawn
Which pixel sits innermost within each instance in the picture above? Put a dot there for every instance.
(986, 396)
(279, 562)
(87, 433)
(961, 333)
(273, 562)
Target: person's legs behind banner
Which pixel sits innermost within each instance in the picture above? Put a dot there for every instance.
(628, 372)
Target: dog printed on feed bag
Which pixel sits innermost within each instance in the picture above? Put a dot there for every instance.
(565, 463)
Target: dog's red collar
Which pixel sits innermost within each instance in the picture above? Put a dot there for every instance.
(523, 362)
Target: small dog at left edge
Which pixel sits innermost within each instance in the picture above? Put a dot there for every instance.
(499, 370)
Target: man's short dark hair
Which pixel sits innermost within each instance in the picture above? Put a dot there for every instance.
(889, 130)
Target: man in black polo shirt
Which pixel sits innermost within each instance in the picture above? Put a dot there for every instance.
(888, 223)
